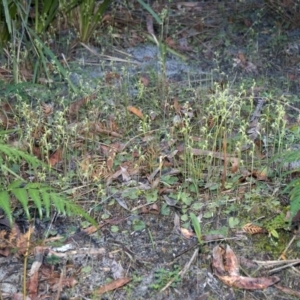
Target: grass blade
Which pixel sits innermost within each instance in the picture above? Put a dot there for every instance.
(151, 11)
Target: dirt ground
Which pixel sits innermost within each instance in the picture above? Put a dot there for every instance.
(236, 43)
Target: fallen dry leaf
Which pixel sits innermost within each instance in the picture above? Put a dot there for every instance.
(19, 296)
(33, 280)
(171, 43)
(47, 109)
(144, 80)
(55, 157)
(14, 240)
(75, 106)
(261, 174)
(135, 111)
(177, 106)
(100, 128)
(112, 285)
(242, 58)
(111, 77)
(186, 233)
(150, 209)
(64, 283)
(226, 267)
(110, 159)
(235, 162)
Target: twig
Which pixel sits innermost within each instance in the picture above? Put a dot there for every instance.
(284, 267)
(183, 271)
(287, 247)
(59, 288)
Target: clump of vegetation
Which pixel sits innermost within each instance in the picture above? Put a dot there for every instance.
(201, 147)
(163, 276)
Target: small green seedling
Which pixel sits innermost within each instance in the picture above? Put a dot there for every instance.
(197, 227)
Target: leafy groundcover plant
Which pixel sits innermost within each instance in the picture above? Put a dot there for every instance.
(37, 194)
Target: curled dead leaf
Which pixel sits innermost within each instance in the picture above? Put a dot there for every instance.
(226, 268)
(186, 233)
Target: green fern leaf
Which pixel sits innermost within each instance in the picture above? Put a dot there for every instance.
(76, 210)
(295, 205)
(36, 197)
(46, 201)
(22, 197)
(16, 184)
(58, 202)
(5, 204)
(16, 154)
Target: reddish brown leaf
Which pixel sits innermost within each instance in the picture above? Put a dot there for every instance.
(55, 157)
(217, 261)
(19, 296)
(186, 233)
(144, 80)
(32, 285)
(242, 58)
(112, 285)
(47, 109)
(261, 174)
(171, 43)
(112, 123)
(75, 106)
(235, 162)
(111, 157)
(33, 280)
(249, 283)
(231, 263)
(110, 77)
(225, 267)
(64, 283)
(177, 106)
(151, 209)
(98, 127)
(135, 111)
(5, 252)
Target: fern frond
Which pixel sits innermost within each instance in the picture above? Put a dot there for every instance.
(42, 196)
(22, 197)
(46, 202)
(295, 206)
(5, 204)
(36, 198)
(16, 155)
